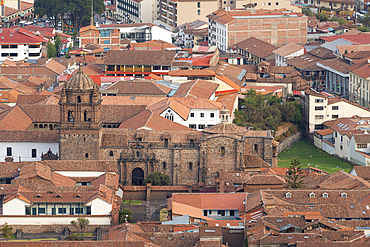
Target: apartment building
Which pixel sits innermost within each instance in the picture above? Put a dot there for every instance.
(287, 52)
(19, 45)
(359, 78)
(137, 11)
(228, 27)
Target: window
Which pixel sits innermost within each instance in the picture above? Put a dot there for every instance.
(190, 166)
(232, 212)
(222, 151)
(198, 11)
(335, 107)
(88, 210)
(79, 210)
(86, 155)
(288, 195)
(111, 153)
(319, 108)
(277, 3)
(319, 116)
(14, 54)
(169, 115)
(78, 99)
(325, 195)
(137, 154)
(202, 115)
(205, 212)
(28, 211)
(193, 126)
(361, 145)
(9, 151)
(4, 54)
(312, 195)
(192, 114)
(33, 153)
(335, 4)
(221, 212)
(41, 210)
(13, 46)
(62, 210)
(198, 4)
(318, 2)
(106, 42)
(191, 143)
(319, 100)
(212, 115)
(255, 148)
(4, 46)
(166, 143)
(334, 116)
(201, 126)
(343, 195)
(164, 165)
(269, 4)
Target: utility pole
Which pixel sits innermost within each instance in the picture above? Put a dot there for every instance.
(92, 14)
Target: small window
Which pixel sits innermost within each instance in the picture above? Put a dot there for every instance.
(343, 195)
(33, 153)
(78, 99)
(269, 4)
(198, 4)
(212, 115)
(319, 116)
(288, 195)
(222, 151)
(319, 100)
(335, 107)
(9, 151)
(232, 212)
(319, 108)
(221, 212)
(191, 143)
(41, 210)
(193, 126)
(164, 165)
(361, 145)
(255, 148)
(202, 115)
(192, 114)
(312, 195)
(166, 143)
(86, 155)
(325, 195)
(190, 166)
(62, 210)
(334, 116)
(318, 2)
(137, 154)
(111, 153)
(198, 11)
(201, 126)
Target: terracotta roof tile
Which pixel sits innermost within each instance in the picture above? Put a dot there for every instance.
(362, 171)
(264, 179)
(117, 114)
(14, 119)
(139, 87)
(128, 100)
(137, 57)
(29, 136)
(288, 49)
(199, 88)
(256, 47)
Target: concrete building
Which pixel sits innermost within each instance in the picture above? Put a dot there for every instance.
(137, 11)
(227, 28)
(286, 52)
(359, 78)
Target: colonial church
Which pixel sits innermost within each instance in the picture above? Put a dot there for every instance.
(187, 156)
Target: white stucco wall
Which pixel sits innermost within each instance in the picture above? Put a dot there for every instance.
(23, 150)
(356, 157)
(52, 220)
(15, 207)
(100, 207)
(328, 148)
(161, 34)
(345, 151)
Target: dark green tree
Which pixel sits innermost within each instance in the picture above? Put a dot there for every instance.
(295, 177)
(157, 179)
(366, 20)
(50, 8)
(322, 16)
(7, 232)
(125, 214)
(307, 12)
(80, 224)
(51, 52)
(58, 45)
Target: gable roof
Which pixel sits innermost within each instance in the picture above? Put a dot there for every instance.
(140, 57)
(139, 87)
(14, 119)
(256, 47)
(199, 88)
(288, 49)
(343, 180)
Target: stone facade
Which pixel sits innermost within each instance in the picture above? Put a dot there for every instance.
(188, 157)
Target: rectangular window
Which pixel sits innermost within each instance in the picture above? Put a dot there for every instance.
(202, 115)
(335, 107)
(9, 151)
(205, 213)
(14, 54)
(33, 153)
(201, 126)
(198, 4)
(88, 210)
(33, 211)
(79, 210)
(319, 116)
(319, 108)
(71, 211)
(4, 46)
(232, 213)
(28, 211)
(361, 145)
(334, 116)
(193, 126)
(192, 114)
(34, 46)
(41, 210)
(14, 46)
(166, 143)
(4, 54)
(212, 115)
(62, 210)
(318, 2)
(198, 11)
(319, 100)
(221, 212)
(106, 42)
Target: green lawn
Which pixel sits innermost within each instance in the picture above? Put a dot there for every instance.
(132, 202)
(163, 214)
(307, 153)
(85, 234)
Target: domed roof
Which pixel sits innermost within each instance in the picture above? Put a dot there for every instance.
(225, 128)
(80, 81)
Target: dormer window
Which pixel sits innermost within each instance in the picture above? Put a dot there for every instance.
(78, 196)
(38, 196)
(325, 195)
(58, 196)
(343, 195)
(312, 195)
(288, 195)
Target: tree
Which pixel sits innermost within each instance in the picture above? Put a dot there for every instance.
(80, 224)
(51, 50)
(125, 215)
(322, 17)
(366, 20)
(7, 231)
(295, 177)
(57, 45)
(51, 8)
(307, 12)
(158, 179)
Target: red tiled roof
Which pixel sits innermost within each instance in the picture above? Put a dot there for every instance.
(18, 35)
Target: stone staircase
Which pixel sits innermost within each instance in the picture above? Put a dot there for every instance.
(139, 212)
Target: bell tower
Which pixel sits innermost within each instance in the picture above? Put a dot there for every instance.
(80, 119)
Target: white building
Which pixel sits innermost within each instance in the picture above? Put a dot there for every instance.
(19, 45)
(137, 11)
(286, 52)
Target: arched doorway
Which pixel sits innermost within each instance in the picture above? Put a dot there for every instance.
(137, 176)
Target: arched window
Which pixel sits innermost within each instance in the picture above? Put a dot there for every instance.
(222, 151)
(45, 126)
(137, 154)
(111, 153)
(288, 195)
(55, 126)
(343, 195)
(35, 126)
(79, 99)
(41, 126)
(86, 155)
(109, 126)
(51, 127)
(312, 195)
(71, 117)
(104, 126)
(164, 165)
(190, 166)
(87, 116)
(255, 148)
(169, 115)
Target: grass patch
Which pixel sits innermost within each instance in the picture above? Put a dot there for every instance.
(132, 202)
(163, 214)
(85, 234)
(36, 239)
(307, 153)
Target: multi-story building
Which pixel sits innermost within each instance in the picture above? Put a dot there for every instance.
(137, 11)
(286, 52)
(106, 37)
(19, 45)
(228, 27)
(359, 78)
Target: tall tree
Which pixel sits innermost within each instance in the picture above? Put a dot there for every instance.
(7, 231)
(51, 52)
(51, 8)
(295, 177)
(80, 224)
(58, 44)
(157, 178)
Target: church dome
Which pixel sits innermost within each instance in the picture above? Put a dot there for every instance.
(80, 81)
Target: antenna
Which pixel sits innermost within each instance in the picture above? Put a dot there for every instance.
(92, 14)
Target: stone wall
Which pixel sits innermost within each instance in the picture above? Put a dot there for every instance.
(288, 142)
(54, 228)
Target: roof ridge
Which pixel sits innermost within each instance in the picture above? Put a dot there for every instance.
(151, 114)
